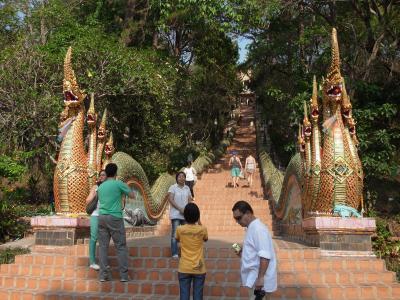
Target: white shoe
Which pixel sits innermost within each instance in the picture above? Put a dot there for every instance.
(175, 256)
(94, 267)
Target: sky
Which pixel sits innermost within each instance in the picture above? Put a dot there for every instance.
(243, 43)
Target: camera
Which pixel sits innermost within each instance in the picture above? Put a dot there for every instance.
(259, 294)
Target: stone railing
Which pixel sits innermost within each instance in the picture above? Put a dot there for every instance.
(272, 177)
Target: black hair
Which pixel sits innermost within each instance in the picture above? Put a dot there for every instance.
(111, 170)
(177, 174)
(242, 206)
(191, 213)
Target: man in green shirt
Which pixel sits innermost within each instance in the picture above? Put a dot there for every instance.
(111, 223)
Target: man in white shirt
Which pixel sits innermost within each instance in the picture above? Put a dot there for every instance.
(258, 260)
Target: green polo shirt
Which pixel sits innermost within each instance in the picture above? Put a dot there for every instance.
(110, 195)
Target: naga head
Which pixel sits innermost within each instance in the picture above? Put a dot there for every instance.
(109, 147)
(91, 114)
(333, 85)
(300, 139)
(347, 113)
(314, 101)
(73, 96)
(346, 105)
(352, 125)
(306, 124)
(101, 132)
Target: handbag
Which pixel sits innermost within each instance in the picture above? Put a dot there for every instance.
(92, 205)
(241, 174)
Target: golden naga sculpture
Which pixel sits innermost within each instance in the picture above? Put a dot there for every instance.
(326, 177)
(335, 179)
(77, 169)
(71, 174)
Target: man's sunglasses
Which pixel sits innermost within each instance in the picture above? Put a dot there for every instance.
(238, 218)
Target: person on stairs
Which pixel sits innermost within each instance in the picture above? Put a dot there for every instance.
(178, 196)
(250, 167)
(192, 266)
(191, 176)
(258, 259)
(236, 167)
(111, 223)
(94, 221)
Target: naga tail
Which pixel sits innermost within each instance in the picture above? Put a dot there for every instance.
(150, 203)
(291, 192)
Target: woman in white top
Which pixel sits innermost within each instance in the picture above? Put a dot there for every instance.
(190, 180)
(178, 196)
(94, 222)
(250, 167)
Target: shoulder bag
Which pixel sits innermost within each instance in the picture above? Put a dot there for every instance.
(91, 206)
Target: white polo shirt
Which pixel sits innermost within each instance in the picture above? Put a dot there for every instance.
(181, 197)
(190, 173)
(258, 243)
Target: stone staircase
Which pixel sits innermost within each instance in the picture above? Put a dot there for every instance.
(303, 273)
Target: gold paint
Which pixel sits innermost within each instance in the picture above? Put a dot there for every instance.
(109, 150)
(315, 147)
(92, 157)
(334, 76)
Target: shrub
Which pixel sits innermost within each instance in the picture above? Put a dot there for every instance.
(10, 168)
(7, 256)
(28, 210)
(11, 225)
(383, 244)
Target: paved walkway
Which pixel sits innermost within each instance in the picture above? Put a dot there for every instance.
(215, 194)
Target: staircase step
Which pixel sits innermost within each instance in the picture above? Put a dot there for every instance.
(365, 292)
(310, 265)
(148, 290)
(216, 272)
(132, 287)
(136, 252)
